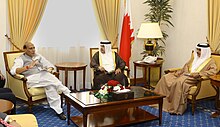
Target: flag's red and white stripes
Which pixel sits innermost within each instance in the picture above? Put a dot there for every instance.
(127, 34)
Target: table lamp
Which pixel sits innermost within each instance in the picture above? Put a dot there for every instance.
(150, 32)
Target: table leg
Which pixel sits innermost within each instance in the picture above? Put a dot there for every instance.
(144, 76)
(84, 120)
(58, 72)
(66, 77)
(216, 113)
(134, 75)
(84, 78)
(148, 78)
(160, 73)
(68, 111)
(75, 80)
(160, 110)
(217, 99)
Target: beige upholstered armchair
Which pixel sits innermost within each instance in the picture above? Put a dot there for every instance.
(25, 120)
(17, 83)
(202, 90)
(93, 51)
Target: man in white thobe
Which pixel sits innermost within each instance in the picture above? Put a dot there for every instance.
(37, 71)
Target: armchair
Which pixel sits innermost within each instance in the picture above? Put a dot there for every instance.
(25, 120)
(203, 89)
(17, 83)
(93, 51)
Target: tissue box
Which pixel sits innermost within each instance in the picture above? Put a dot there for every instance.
(122, 96)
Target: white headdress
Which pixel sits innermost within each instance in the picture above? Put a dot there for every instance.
(205, 54)
(107, 58)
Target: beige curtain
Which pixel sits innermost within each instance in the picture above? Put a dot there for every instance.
(214, 25)
(24, 18)
(108, 12)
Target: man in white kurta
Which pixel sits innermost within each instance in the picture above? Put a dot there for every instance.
(37, 71)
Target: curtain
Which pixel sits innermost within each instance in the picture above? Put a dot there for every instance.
(24, 18)
(108, 12)
(214, 25)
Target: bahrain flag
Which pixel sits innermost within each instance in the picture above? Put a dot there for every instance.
(127, 35)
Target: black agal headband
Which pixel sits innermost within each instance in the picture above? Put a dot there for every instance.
(203, 45)
(105, 42)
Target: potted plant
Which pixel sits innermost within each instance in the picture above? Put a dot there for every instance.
(160, 11)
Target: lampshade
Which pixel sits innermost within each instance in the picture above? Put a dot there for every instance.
(149, 30)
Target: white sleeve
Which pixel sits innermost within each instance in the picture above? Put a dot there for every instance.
(18, 63)
(46, 63)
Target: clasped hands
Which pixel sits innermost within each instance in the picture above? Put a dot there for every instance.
(194, 75)
(35, 62)
(102, 69)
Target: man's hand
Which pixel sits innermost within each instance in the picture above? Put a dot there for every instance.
(195, 75)
(117, 71)
(33, 63)
(101, 68)
(176, 74)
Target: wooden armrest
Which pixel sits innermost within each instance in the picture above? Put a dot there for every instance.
(56, 74)
(204, 78)
(20, 77)
(126, 68)
(171, 70)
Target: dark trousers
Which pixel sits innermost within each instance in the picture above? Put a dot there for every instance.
(103, 78)
(2, 83)
(6, 93)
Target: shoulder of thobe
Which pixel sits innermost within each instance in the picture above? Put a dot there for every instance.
(203, 65)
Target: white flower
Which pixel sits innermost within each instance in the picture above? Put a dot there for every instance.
(103, 92)
(116, 88)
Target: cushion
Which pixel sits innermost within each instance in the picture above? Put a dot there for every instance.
(25, 120)
(36, 91)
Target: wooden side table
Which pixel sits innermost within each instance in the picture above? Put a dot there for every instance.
(215, 81)
(72, 66)
(145, 65)
(6, 106)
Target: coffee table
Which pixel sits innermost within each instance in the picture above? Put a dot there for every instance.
(6, 106)
(96, 112)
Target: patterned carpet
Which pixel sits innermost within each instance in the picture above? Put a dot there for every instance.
(46, 117)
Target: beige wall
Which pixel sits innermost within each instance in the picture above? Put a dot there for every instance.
(2, 33)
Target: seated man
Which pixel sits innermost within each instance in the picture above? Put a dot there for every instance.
(6, 93)
(6, 121)
(36, 69)
(107, 65)
(175, 86)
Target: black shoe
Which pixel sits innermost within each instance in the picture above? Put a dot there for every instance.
(62, 116)
(173, 114)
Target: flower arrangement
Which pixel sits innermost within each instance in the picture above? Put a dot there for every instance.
(107, 88)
